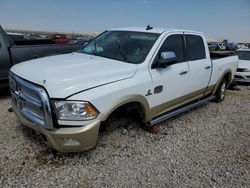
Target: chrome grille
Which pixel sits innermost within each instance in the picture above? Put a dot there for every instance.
(31, 101)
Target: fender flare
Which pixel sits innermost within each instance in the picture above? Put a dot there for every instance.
(227, 71)
(125, 100)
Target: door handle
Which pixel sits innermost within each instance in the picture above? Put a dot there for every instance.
(184, 72)
(208, 67)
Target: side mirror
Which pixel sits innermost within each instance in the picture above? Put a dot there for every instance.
(166, 59)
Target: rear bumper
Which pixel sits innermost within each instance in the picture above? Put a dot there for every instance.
(242, 77)
(75, 139)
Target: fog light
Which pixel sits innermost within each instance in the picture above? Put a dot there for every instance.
(71, 142)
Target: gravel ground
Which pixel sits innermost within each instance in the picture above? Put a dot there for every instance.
(206, 147)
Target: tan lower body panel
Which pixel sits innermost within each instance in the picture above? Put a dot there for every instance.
(73, 139)
(168, 106)
(209, 89)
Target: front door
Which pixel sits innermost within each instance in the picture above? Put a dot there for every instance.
(170, 83)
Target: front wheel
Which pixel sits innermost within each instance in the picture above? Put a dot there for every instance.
(221, 91)
(115, 123)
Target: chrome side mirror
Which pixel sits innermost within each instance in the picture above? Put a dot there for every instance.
(167, 58)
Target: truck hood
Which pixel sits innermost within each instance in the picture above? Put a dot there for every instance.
(244, 64)
(65, 75)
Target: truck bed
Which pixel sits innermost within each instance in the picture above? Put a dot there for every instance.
(222, 64)
(33, 42)
(13, 52)
(218, 55)
(26, 52)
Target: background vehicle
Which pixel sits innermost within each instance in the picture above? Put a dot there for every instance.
(17, 36)
(13, 52)
(231, 47)
(243, 71)
(214, 47)
(146, 74)
(240, 45)
(59, 38)
(222, 46)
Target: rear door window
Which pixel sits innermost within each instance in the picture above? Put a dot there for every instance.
(196, 48)
(174, 43)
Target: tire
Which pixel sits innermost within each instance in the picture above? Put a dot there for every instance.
(116, 123)
(221, 91)
(128, 122)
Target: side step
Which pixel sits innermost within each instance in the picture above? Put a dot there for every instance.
(180, 110)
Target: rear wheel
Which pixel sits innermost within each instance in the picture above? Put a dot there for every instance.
(221, 91)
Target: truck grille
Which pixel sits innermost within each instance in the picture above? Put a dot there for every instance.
(31, 101)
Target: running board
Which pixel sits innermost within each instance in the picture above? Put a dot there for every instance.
(179, 111)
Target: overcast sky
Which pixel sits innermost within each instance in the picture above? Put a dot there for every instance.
(218, 19)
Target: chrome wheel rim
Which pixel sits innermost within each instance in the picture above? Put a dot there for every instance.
(223, 90)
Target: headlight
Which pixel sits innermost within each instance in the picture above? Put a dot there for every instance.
(75, 110)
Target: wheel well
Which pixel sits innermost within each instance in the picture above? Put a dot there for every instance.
(228, 77)
(133, 110)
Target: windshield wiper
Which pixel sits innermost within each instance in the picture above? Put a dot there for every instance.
(124, 55)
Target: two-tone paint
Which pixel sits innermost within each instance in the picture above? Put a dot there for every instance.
(108, 84)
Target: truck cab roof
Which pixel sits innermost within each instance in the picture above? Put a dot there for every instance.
(158, 30)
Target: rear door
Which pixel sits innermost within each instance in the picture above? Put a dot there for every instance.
(170, 83)
(199, 64)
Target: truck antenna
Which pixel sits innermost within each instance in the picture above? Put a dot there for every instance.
(149, 27)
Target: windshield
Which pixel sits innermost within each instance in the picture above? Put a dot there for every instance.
(243, 55)
(127, 46)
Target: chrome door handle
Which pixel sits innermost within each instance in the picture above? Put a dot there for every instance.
(208, 67)
(184, 72)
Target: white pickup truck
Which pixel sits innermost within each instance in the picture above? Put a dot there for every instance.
(243, 71)
(149, 74)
